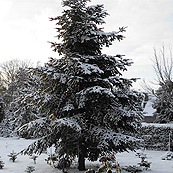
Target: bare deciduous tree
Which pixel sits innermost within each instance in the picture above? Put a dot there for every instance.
(163, 65)
(10, 68)
(163, 68)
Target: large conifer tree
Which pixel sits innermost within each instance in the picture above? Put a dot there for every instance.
(90, 107)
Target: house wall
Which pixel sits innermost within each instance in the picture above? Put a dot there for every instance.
(149, 119)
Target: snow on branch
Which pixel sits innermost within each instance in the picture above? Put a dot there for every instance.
(98, 90)
(68, 107)
(34, 129)
(89, 68)
(70, 122)
(58, 128)
(110, 140)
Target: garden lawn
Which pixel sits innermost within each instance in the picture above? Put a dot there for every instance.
(7, 145)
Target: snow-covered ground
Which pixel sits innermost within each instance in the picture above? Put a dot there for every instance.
(7, 145)
(158, 125)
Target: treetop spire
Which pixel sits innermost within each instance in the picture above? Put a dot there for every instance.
(71, 3)
(79, 31)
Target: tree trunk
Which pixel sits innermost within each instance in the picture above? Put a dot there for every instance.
(81, 161)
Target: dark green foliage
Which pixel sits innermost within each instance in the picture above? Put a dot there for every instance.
(63, 163)
(156, 137)
(78, 29)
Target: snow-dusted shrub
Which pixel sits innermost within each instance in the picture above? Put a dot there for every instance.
(63, 163)
(167, 156)
(132, 168)
(1, 164)
(144, 163)
(30, 169)
(12, 156)
(60, 163)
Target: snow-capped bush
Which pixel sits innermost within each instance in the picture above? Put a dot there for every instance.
(1, 164)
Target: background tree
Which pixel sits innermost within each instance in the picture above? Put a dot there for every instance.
(2, 85)
(89, 105)
(2, 91)
(22, 109)
(163, 66)
(1, 110)
(15, 78)
(10, 68)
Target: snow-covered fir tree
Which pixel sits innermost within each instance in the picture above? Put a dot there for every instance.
(19, 109)
(22, 108)
(164, 103)
(2, 104)
(1, 109)
(7, 124)
(89, 105)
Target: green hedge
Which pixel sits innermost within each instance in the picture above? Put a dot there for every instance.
(156, 136)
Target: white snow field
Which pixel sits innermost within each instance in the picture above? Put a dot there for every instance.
(7, 145)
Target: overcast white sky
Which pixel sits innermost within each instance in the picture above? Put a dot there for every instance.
(25, 29)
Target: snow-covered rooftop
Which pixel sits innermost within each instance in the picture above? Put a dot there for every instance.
(148, 110)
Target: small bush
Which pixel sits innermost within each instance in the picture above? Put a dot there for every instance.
(1, 164)
(30, 169)
(13, 156)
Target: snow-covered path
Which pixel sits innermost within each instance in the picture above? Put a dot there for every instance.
(7, 145)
